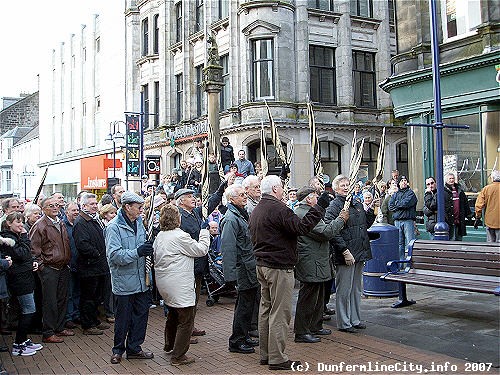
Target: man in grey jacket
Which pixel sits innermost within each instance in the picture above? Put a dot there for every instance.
(239, 268)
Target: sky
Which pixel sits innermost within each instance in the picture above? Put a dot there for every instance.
(31, 28)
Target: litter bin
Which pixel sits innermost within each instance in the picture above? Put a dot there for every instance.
(384, 242)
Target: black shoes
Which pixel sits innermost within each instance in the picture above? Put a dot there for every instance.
(254, 333)
(288, 365)
(242, 348)
(140, 355)
(252, 342)
(307, 338)
(348, 330)
(329, 312)
(360, 326)
(323, 332)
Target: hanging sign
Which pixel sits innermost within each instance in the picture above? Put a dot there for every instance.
(132, 151)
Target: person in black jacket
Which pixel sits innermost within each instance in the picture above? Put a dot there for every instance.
(226, 154)
(351, 249)
(456, 199)
(430, 206)
(92, 263)
(20, 280)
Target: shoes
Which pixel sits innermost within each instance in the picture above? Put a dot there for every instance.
(69, 324)
(53, 339)
(288, 365)
(93, 331)
(193, 340)
(4, 349)
(328, 311)
(66, 332)
(254, 333)
(348, 330)
(323, 332)
(168, 349)
(103, 326)
(31, 345)
(263, 362)
(110, 319)
(140, 355)
(252, 342)
(360, 326)
(184, 360)
(242, 348)
(20, 349)
(326, 317)
(198, 332)
(116, 358)
(77, 321)
(307, 338)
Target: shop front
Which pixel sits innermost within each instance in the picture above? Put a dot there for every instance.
(93, 175)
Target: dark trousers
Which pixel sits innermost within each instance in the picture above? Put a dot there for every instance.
(242, 319)
(327, 291)
(131, 320)
(310, 305)
(55, 299)
(254, 326)
(23, 327)
(197, 288)
(108, 297)
(73, 309)
(90, 291)
(178, 328)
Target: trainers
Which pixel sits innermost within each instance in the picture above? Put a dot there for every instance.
(93, 331)
(31, 345)
(103, 326)
(20, 349)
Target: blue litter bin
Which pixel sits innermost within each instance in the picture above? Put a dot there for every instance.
(384, 242)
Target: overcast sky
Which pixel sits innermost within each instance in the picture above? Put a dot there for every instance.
(30, 28)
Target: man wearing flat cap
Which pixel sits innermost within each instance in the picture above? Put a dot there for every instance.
(126, 249)
(313, 268)
(191, 221)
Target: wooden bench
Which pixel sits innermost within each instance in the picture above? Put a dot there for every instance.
(470, 266)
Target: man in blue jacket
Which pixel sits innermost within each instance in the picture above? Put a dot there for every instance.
(403, 205)
(125, 251)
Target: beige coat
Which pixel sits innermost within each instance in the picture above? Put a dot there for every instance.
(174, 253)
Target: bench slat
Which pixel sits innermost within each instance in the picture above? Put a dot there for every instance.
(491, 256)
(457, 262)
(458, 269)
(451, 275)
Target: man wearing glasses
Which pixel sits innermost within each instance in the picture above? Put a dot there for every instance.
(430, 206)
(50, 248)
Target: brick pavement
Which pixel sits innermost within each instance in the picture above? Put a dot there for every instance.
(90, 354)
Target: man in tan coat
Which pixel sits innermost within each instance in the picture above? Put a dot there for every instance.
(489, 199)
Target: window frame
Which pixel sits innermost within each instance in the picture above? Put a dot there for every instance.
(359, 100)
(225, 94)
(145, 37)
(224, 9)
(157, 103)
(461, 12)
(321, 69)
(200, 98)
(145, 105)
(178, 21)
(356, 9)
(179, 87)
(256, 64)
(317, 4)
(156, 35)
(199, 12)
(328, 160)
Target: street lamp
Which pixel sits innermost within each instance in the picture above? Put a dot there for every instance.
(117, 138)
(25, 174)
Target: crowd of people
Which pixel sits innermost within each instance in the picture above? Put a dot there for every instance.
(92, 263)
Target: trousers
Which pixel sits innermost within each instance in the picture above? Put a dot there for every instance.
(178, 328)
(310, 306)
(349, 284)
(242, 319)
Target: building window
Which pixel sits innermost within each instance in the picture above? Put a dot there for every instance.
(8, 180)
(180, 91)
(402, 158)
(225, 92)
(200, 94)
(157, 104)
(223, 8)
(330, 158)
(176, 160)
(364, 79)
(98, 103)
(320, 4)
(322, 70)
(84, 109)
(273, 160)
(368, 161)
(97, 45)
(262, 69)
(460, 17)
(84, 54)
(145, 105)
(199, 15)
(392, 11)
(156, 36)
(362, 8)
(178, 22)
(145, 36)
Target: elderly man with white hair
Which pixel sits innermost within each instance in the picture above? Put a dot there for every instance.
(251, 184)
(489, 200)
(274, 229)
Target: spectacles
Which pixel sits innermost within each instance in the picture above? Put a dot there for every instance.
(430, 183)
(52, 205)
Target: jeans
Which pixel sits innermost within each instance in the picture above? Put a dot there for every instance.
(492, 235)
(27, 303)
(73, 309)
(406, 234)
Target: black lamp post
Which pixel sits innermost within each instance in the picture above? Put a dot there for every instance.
(116, 137)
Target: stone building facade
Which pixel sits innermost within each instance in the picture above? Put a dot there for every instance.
(332, 53)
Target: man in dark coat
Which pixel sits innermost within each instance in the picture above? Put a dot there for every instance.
(313, 269)
(274, 229)
(92, 264)
(191, 223)
(457, 200)
(239, 268)
(352, 249)
(430, 206)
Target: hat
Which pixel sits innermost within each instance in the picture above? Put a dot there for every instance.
(131, 197)
(158, 201)
(402, 178)
(304, 192)
(198, 160)
(292, 189)
(181, 192)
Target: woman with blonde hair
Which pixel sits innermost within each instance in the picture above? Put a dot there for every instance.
(174, 253)
(107, 213)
